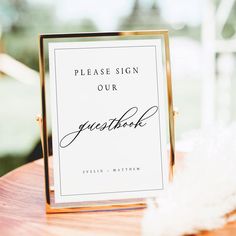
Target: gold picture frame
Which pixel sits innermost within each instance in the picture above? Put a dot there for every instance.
(42, 119)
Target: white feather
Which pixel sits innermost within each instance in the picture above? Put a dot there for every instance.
(202, 192)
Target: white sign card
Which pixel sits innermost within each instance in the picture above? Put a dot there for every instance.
(108, 119)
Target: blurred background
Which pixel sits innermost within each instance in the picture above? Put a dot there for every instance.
(203, 58)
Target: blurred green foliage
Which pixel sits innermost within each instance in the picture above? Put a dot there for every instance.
(10, 162)
(21, 23)
(20, 35)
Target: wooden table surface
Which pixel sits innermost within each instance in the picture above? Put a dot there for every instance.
(22, 212)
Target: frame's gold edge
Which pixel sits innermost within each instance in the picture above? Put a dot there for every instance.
(43, 121)
(105, 34)
(170, 106)
(164, 33)
(54, 210)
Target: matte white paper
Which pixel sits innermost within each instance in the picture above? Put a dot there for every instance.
(108, 120)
